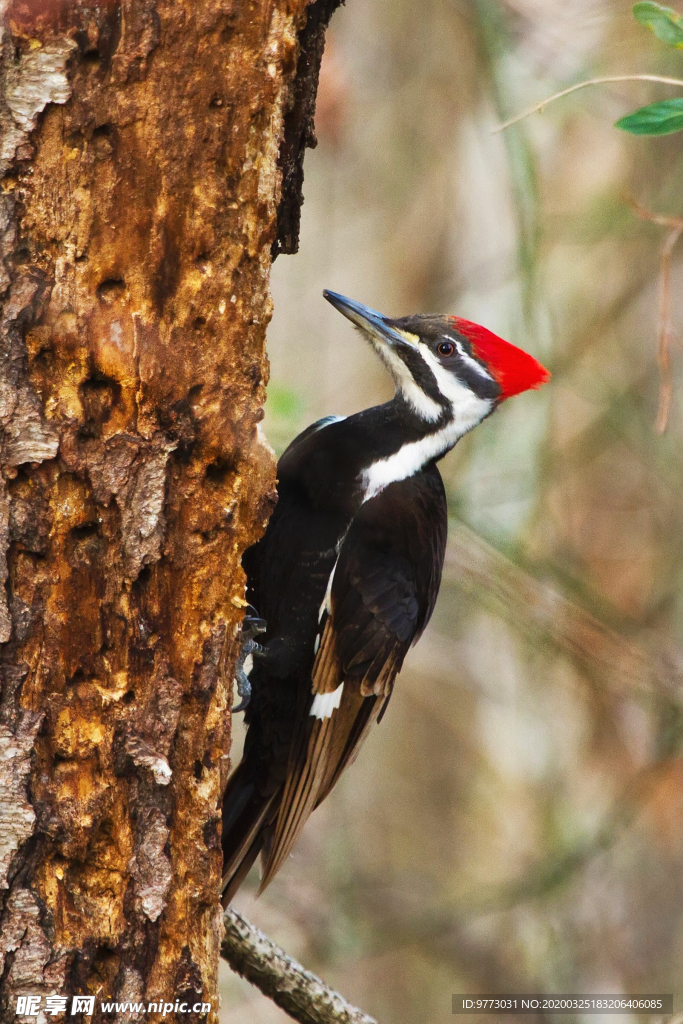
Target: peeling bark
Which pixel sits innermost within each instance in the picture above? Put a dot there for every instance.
(140, 177)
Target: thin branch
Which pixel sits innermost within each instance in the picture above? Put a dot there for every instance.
(295, 990)
(582, 85)
(655, 218)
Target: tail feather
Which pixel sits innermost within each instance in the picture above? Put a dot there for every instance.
(232, 882)
(245, 816)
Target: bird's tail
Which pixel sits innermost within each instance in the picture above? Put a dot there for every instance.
(245, 817)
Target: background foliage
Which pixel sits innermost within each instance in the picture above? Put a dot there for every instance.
(516, 823)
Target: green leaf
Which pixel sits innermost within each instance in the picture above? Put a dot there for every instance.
(666, 24)
(662, 118)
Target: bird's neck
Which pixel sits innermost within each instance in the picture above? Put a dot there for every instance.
(408, 443)
(349, 461)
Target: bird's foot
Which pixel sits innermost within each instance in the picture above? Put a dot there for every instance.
(252, 625)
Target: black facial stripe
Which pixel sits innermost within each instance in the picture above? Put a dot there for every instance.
(421, 374)
(483, 387)
(433, 329)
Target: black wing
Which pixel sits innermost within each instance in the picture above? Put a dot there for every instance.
(288, 569)
(385, 584)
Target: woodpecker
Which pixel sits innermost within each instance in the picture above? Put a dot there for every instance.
(348, 571)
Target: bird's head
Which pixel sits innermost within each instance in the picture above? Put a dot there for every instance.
(446, 369)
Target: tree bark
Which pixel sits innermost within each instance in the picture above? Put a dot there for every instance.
(140, 181)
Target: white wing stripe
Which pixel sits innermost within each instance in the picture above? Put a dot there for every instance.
(326, 605)
(325, 703)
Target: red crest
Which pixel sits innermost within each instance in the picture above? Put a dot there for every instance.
(513, 368)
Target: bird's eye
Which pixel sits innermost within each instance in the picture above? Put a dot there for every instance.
(445, 348)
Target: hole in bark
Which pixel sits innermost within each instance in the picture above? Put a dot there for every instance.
(102, 141)
(198, 769)
(143, 577)
(43, 357)
(128, 697)
(85, 530)
(105, 964)
(202, 260)
(217, 472)
(179, 423)
(22, 255)
(138, 589)
(228, 32)
(85, 547)
(216, 101)
(111, 289)
(99, 394)
(199, 322)
(77, 677)
(211, 834)
(93, 48)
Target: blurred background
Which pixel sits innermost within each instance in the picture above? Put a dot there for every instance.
(516, 822)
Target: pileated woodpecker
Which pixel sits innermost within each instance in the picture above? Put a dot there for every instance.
(348, 571)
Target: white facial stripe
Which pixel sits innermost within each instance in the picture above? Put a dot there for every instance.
(469, 361)
(425, 407)
(459, 396)
(412, 457)
(325, 703)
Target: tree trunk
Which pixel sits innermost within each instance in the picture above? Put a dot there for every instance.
(138, 210)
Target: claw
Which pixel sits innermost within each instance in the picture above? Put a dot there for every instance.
(252, 625)
(243, 689)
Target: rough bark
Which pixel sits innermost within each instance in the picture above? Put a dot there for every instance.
(300, 993)
(138, 209)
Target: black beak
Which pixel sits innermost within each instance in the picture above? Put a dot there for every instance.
(379, 327)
